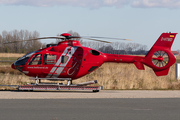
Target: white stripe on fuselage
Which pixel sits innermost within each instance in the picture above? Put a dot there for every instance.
(58, 68)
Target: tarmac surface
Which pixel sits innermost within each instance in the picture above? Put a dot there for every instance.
(90, 109)
(86, 105)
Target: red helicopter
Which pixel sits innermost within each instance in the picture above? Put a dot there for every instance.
(68, 60)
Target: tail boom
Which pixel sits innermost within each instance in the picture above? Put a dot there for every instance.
(137, 60)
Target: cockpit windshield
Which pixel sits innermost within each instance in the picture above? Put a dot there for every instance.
(24, 59)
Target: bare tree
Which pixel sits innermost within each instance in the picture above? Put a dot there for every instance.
(19, 47)
(122, 48)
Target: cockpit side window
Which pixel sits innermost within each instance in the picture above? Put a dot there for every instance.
(36, 60)
(49, 59)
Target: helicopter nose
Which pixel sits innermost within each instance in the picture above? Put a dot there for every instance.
(12, 66)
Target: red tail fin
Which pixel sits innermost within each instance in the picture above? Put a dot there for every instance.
(160, 58)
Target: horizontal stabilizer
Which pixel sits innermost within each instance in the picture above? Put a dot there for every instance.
(138, 62)
(139, 65)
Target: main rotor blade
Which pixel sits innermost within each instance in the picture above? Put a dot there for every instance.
(94, 37)
(98, 40)
(58, 37)
(70, 37)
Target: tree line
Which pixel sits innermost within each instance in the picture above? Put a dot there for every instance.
(29, 46)
(19, 47)
(118, 48)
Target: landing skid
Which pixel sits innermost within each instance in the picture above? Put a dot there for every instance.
(58, 86)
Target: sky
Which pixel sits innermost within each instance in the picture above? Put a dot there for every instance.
(140, 20)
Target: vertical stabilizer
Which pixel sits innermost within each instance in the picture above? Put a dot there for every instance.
(160, 58)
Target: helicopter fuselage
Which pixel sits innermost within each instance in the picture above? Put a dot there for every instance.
(66, 60)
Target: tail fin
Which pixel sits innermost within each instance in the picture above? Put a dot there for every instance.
(160, 58)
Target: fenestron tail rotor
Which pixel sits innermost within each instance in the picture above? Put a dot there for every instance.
(160, 58)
